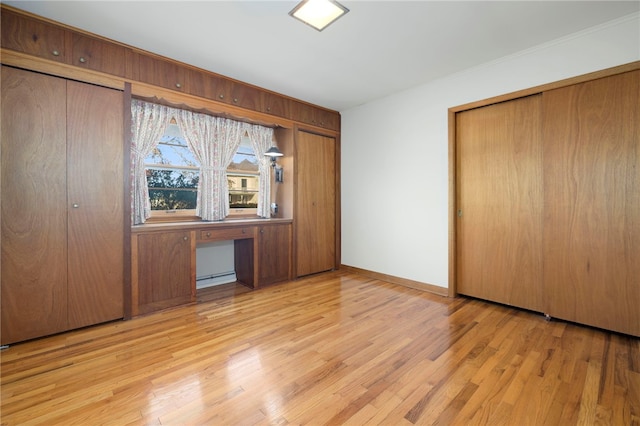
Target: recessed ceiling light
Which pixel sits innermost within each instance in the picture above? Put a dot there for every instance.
(318, 13)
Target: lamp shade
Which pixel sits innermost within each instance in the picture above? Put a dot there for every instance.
(273, 152)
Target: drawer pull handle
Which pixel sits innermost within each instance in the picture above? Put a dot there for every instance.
(208, 234)
(185, 238)
(178, 85)
(75, 205)
(55, 53)
(82, 60)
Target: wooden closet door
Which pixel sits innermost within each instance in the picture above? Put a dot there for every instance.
(499, 226)
(315, 203)
(592, 202)
(96, 194)
(34, 207)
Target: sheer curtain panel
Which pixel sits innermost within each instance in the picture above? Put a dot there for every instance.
(197, 130)
(261, 140)
(148, 123)
(227, 135)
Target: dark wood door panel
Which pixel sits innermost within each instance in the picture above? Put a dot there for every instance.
(164, 269)
(34, 217)
(275, 253)
(96, 228)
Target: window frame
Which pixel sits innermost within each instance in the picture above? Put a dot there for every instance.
(184, 215)
(244, 212)
(174, 215)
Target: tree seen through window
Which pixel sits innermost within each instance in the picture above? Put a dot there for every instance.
(172, 173)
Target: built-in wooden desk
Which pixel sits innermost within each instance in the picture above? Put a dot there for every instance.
(163, 260)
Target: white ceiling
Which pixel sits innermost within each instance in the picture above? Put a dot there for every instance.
(378, 48)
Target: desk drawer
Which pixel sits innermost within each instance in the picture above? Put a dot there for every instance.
(227, 233)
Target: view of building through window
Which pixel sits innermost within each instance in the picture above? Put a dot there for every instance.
(173, 173)
(243, 177)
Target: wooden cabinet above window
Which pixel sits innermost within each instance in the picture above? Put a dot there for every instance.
(98, 55)
(31, 35)
(309, 114)
(159, 72)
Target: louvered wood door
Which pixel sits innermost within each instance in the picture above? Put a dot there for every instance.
(95, 203)
(315, 215)
(499, 201)
(34, 205)
(592, 202)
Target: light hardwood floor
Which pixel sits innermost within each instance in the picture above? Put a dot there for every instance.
(335, 348)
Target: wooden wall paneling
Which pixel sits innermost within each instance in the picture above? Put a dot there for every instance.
(34, 37)
(34, 205)
(245, 260)
(309, 114)
(315, 203)
(128, 274)
(499, 228)
(196, 82)
(275, 104)
(162, 72)
(282, 192)
(39, 37)
(98, 55)
(303, 112)
(246, 96)
(328, 119)
(95, 178)
(132, 64)
(218, 88)
(592, 202)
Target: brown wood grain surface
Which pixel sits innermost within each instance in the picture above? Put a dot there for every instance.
(34, 205)
(96, 226)
(315, 203)
(500, 199)
(592, 202)
(164, 266)
(335, 348)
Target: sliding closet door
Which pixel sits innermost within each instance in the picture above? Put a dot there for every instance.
(592, 202)
(499, 181)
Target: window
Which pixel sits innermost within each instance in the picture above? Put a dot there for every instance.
(172, 175)
(244, 179)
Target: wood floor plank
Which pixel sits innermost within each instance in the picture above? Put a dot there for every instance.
(335, 348)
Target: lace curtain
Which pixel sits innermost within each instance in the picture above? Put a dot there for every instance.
(213, 141)
(227, 135)
(149, 122)
(261, 140)
(197, 131)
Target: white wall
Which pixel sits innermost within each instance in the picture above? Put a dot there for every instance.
(215, 259)
(395, 150)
